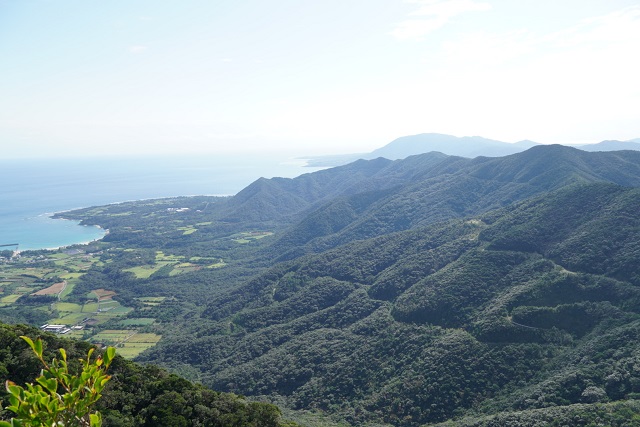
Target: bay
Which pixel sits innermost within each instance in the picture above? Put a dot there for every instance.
(35, 189)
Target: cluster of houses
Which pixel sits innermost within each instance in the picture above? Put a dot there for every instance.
(60, 329)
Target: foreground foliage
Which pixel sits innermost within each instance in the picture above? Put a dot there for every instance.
(42, 405)
(135, 395)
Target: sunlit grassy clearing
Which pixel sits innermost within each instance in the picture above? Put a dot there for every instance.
(187, 230)
(145, 271)
(10, 299)
(160, 256)
(248, 236)
(218, 264)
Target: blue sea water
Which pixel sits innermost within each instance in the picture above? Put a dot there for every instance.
(35, 189)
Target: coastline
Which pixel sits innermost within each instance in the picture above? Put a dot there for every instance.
(86, 234)
(86, 242)
(48, 187)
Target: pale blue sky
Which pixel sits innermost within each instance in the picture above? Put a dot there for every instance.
(312, 77)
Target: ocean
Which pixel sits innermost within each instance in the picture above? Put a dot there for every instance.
(35, 189)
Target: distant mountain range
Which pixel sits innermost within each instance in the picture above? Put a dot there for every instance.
(468, 146)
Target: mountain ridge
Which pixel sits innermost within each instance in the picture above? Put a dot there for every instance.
(438, 282)
(467, 146)
(403, 293)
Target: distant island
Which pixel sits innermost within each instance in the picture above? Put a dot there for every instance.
(468, 146)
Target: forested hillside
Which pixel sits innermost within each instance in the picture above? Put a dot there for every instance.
(136, 395)
(409, 292)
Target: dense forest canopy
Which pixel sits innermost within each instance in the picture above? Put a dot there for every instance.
(487, 291)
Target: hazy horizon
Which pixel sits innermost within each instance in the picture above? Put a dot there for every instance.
(311, 78)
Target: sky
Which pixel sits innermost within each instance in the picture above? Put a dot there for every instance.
(129, 77)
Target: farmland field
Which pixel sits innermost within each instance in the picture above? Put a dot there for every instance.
(10, 299)
(54, 289)
(145, 271)
(67, 307)
(151, 301)
(140, 321)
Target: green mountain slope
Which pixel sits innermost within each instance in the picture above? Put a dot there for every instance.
(281, 198)
(456, 188)
(423, 325)
(404, 293)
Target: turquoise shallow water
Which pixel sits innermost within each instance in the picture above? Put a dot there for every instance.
(35, 189)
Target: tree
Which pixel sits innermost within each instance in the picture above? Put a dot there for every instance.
(41, 405)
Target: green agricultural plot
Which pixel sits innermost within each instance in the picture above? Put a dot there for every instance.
(248, 236)
(54, 274)
(131, 350)
(161, 256)
(78, 335)
(90, 307)
(9, 299)
(200, 224)
(112, 336)
(202, 258)
(120, 311)
(67, 290)
(141, 321)
(68, 307)
(184, 267)
(69, 319)
(71, 275)
(218, 264)
(77, 263)
(103, 305)
(145, 338)
(151, 301)
(145, 271)
(187, 230)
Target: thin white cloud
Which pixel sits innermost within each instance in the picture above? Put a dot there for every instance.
(137, 49)
(620, 26)
(434, 14)
(603, 36)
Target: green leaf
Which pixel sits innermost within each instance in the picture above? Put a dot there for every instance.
(95, 420)
(13, 389)
(109, 355)
(33, 345)
(51, 385)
